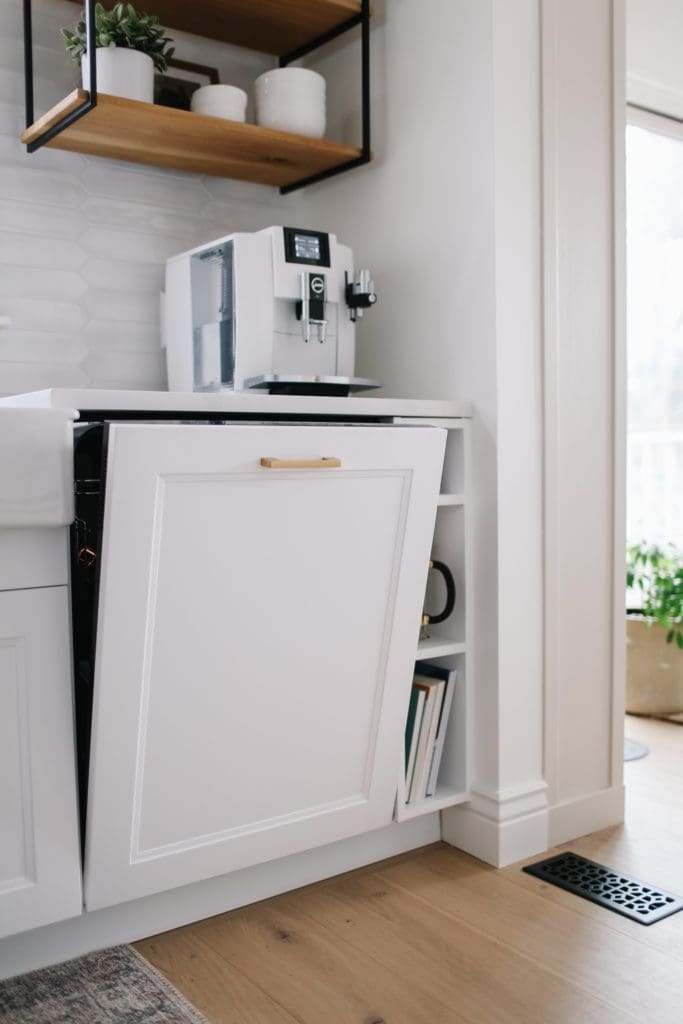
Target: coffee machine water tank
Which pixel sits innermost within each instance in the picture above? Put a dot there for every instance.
(273, 309)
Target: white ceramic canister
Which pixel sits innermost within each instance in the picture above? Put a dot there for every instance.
(291, 100)
(122, 72)
(225, 101)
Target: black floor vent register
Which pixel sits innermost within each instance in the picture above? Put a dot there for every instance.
(606, 887)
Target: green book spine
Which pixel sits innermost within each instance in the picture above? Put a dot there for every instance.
(410, 724)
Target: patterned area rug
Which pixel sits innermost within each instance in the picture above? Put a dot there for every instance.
(113, 986)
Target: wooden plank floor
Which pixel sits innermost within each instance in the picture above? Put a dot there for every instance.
(436, 936)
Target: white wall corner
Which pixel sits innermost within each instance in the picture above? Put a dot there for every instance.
(500, 826)
(517, 141)
(649, 94)
(585, 814)
(583, 109)
(653, 42)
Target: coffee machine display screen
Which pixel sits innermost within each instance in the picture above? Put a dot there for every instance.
(312, 247)
(307, 247)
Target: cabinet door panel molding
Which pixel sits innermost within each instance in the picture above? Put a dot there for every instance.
(254, 653)
(39, 855)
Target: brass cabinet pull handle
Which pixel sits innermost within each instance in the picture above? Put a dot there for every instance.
(324, 463)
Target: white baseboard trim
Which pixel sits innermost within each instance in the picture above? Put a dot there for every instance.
(502, 826)
(579, 817)
(138, 919)
(517, 823)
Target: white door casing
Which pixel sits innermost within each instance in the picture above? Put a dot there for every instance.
(256, 638)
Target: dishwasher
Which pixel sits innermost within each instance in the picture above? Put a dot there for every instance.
(246, 599)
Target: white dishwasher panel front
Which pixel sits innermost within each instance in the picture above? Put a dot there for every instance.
(258, 615)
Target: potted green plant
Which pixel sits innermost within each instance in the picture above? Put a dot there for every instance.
(654, 676)
(130, 46)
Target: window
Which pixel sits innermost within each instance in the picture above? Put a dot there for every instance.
(654, 208)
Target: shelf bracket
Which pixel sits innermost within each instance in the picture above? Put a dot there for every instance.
(362, 19)
(84, 107)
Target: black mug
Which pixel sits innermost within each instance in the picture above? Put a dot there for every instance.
(433, 620)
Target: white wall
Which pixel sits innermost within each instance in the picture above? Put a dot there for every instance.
(488, 217)
(519, 342)
(422, 217)
(83, 240)
(654, 36)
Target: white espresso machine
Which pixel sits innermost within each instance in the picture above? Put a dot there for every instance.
(273, 309)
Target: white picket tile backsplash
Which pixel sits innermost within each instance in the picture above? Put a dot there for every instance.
(38, 315)
(29, 250)
(49, 63)
(228, 190)
(50, 159)
(112, 336)
(115, 369)
(19, 377)
(39, 184)
(83, 240)
(12, 118)
(34, 219)
(105, 304)
(133, 246)
(125, 181)
(30, 282)
(143, 217)
(42, 347)
(129, 277)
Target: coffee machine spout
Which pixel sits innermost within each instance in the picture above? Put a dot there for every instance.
(360, 293)
(310, 309)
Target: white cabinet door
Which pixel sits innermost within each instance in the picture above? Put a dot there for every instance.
(256, 637)
(40, 871)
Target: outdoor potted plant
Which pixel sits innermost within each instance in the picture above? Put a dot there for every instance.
(130, 46)
(654, 662)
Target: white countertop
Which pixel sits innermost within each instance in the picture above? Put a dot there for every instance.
(101, 400)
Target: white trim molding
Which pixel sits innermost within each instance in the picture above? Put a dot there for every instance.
(585, 814)
(559, 681)
(620, 399)
(583, 126)
(501, 826)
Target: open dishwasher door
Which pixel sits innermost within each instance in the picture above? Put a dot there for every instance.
(258, 615)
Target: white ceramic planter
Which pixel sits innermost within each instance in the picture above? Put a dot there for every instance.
(291, 100)
(654, 676)
(122, 72)
(226, 101)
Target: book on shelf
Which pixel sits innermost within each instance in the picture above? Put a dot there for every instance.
(433, 691)
(415, 713)
(448, 675)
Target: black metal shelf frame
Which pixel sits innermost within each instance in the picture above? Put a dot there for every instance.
(87, 105)
(362, 19)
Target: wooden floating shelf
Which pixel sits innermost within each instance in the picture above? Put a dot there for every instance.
(179, 139)
(271, 26)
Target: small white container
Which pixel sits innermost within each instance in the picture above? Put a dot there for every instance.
(291, 100)
(121, 72)
(225, 101)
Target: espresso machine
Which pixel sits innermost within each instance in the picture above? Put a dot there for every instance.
(273, 309)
